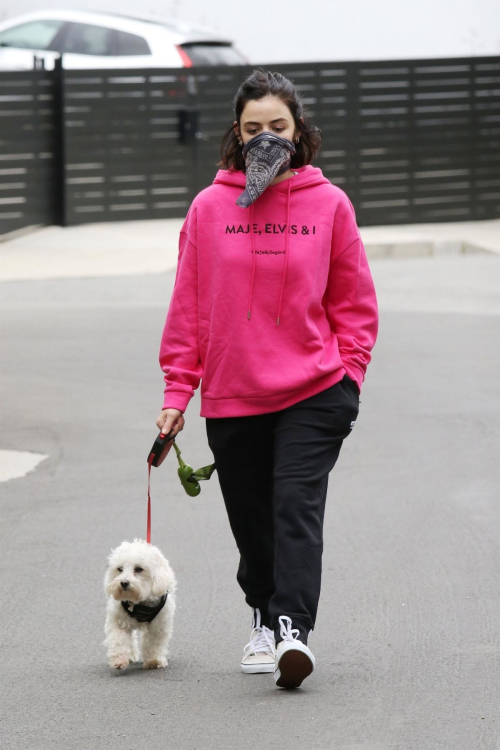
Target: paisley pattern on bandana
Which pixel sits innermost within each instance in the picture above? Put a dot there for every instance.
(266, 155)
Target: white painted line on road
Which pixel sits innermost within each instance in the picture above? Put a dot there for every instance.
(16, 464)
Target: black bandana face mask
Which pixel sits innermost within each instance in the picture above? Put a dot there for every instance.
(266, 155)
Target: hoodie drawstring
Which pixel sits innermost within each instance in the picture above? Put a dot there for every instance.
(287, 232)
(253, 261)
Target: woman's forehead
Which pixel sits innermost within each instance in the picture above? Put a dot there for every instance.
(270, 107)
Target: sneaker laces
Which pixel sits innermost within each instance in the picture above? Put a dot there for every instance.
(261, 637)
(286, 631)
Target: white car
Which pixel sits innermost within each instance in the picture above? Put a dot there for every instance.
(109, 40)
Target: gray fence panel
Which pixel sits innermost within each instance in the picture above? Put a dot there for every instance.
(29, 144)
(123, 159)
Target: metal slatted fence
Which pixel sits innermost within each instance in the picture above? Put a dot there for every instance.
(408, 140)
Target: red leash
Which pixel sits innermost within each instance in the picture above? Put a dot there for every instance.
(148, 532)
(156, 456)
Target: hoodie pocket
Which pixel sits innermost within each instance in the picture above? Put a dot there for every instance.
(352, 394)
(351, 384)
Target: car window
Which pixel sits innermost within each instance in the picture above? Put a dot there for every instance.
(87, 39)
(213, 54)
(33, 35)
(131, 44)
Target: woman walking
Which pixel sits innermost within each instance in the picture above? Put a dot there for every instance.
(274, 310)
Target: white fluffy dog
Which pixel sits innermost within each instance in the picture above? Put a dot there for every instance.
(141, 601)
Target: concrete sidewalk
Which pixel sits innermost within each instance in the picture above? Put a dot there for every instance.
(150, 247)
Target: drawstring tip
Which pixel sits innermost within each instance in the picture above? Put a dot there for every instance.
(248, 317)
(277, 321)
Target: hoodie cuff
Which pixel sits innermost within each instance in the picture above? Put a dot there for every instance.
(176, 400)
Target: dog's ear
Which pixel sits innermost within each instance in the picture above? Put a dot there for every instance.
(160, 577)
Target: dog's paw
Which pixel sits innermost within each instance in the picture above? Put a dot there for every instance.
(155, 664)
(121, 662)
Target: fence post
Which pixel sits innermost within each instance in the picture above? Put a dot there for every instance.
(59, 143)
(189, 130)
(477, 211)
(352, 142)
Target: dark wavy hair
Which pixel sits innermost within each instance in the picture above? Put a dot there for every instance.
(266, 83)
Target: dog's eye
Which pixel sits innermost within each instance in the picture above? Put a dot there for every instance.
(120, 570)
(138, 570)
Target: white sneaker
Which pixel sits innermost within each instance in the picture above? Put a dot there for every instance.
(260, 651)
(294, 661)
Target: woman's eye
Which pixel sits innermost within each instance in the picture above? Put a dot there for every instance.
(120, 570)
(138, 570)
(251, 132)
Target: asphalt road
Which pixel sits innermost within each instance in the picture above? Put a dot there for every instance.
(407, 637)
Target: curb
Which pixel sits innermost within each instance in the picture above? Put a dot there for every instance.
(442, 248)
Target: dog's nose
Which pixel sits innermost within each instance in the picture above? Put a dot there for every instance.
(124, 585)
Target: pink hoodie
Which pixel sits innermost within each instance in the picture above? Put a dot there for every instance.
(272, 303)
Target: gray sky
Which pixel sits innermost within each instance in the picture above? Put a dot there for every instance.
(317, 30)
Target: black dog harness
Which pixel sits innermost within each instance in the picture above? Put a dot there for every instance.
(142, 612)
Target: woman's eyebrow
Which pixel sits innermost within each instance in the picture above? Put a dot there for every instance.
(252, 122)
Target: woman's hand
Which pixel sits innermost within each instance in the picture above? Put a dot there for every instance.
(170, 419)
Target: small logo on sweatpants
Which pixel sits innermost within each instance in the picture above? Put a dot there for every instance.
(352, 424)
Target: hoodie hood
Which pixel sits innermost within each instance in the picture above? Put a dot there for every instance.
(306, 177)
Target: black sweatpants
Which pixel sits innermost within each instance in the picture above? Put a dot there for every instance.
(273, 472)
